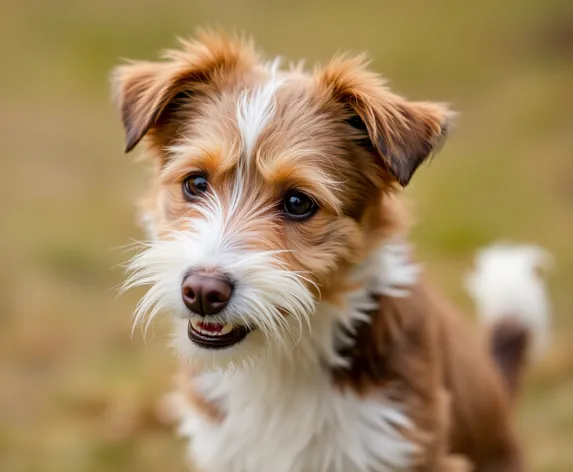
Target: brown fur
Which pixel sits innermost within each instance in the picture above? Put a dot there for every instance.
(349, 142)
(420, 348)
(510, 343)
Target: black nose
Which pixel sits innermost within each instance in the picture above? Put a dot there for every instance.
(206, 295)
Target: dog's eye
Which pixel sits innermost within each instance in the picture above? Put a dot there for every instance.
(298, 206)
(194, 185)
(356, 122)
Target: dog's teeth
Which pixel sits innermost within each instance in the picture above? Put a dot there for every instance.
(203, 328)
(227, 329)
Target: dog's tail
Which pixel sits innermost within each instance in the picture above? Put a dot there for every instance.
(508, 289)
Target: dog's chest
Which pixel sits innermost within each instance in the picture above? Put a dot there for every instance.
(278, 421)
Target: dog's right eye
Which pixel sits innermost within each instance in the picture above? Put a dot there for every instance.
(194, 185)
(298, 206)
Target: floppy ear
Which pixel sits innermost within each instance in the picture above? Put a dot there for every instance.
(142, 91)
(404, 134)
(149, 93)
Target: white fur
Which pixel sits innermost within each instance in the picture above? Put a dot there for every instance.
(282, 412)
(282, 419)
(256, 108)
(147, 223)
(506, 283)
(218, 241)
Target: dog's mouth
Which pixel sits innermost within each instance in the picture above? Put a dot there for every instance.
(215, 335)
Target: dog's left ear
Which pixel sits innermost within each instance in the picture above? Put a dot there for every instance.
(403, 134)
(150, 94)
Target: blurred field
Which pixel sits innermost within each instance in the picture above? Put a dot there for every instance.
(77, 393)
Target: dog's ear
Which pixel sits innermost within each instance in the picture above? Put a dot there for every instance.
(403, 134)
(148, 94)
(142, 91)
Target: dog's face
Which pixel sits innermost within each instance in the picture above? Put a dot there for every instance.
(269, 186)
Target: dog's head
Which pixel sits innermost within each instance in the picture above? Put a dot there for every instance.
(269, 186)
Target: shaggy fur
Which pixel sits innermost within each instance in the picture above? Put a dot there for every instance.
(352, 363)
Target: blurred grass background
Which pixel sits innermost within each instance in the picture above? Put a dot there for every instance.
(77, 393)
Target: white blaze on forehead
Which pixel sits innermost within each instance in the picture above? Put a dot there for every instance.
(256, 107)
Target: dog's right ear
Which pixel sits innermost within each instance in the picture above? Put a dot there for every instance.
(402, 134)
(142, 91)
(149, 93)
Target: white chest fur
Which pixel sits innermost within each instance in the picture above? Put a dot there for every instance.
(281, 420)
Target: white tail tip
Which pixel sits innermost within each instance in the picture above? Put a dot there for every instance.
(507, 282)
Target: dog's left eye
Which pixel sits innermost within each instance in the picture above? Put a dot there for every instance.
(194, 185)
(298, 206)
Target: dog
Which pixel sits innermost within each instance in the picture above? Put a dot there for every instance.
(310, 338)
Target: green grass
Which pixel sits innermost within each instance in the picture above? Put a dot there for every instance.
(77, 392)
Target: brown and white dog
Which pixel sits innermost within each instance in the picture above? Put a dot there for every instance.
(310, 339)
